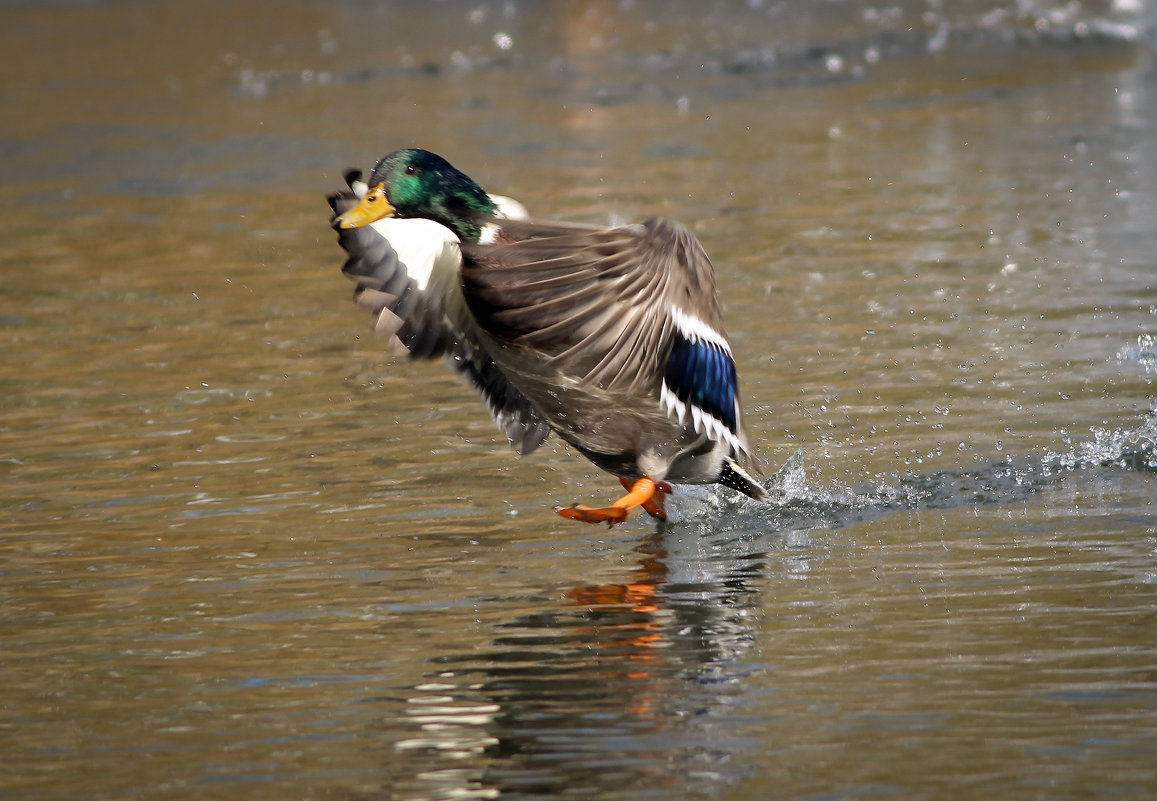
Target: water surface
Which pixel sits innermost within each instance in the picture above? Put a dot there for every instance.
(249, 552)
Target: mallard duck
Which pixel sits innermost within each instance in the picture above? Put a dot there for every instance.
(611, 337)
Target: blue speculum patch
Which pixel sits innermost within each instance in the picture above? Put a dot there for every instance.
(701, 373)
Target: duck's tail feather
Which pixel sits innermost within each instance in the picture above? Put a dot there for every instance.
(736, 478)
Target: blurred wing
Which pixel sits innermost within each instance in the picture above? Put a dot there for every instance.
(407, 276)
(583, 296)
(629, 309)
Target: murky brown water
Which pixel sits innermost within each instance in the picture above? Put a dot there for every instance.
(246, 552)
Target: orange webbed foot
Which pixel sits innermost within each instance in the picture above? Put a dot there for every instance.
(611, 515)
(645, 492)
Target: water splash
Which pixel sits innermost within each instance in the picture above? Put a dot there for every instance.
(795, 505)
(1144, 353)
(1135, 449)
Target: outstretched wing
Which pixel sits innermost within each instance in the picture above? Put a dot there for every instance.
(630, 309)
(407, 276)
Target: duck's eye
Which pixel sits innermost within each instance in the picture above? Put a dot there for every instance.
(411, 169)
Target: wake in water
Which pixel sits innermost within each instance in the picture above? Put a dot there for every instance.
(794, 504)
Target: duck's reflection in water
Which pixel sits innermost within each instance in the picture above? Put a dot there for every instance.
(622, 686)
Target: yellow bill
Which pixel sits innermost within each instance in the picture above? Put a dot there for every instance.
(373, 207)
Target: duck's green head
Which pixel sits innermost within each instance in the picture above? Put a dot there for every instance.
(418, 183)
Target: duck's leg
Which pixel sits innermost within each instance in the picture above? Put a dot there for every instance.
(656, 506)
(645, 492)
